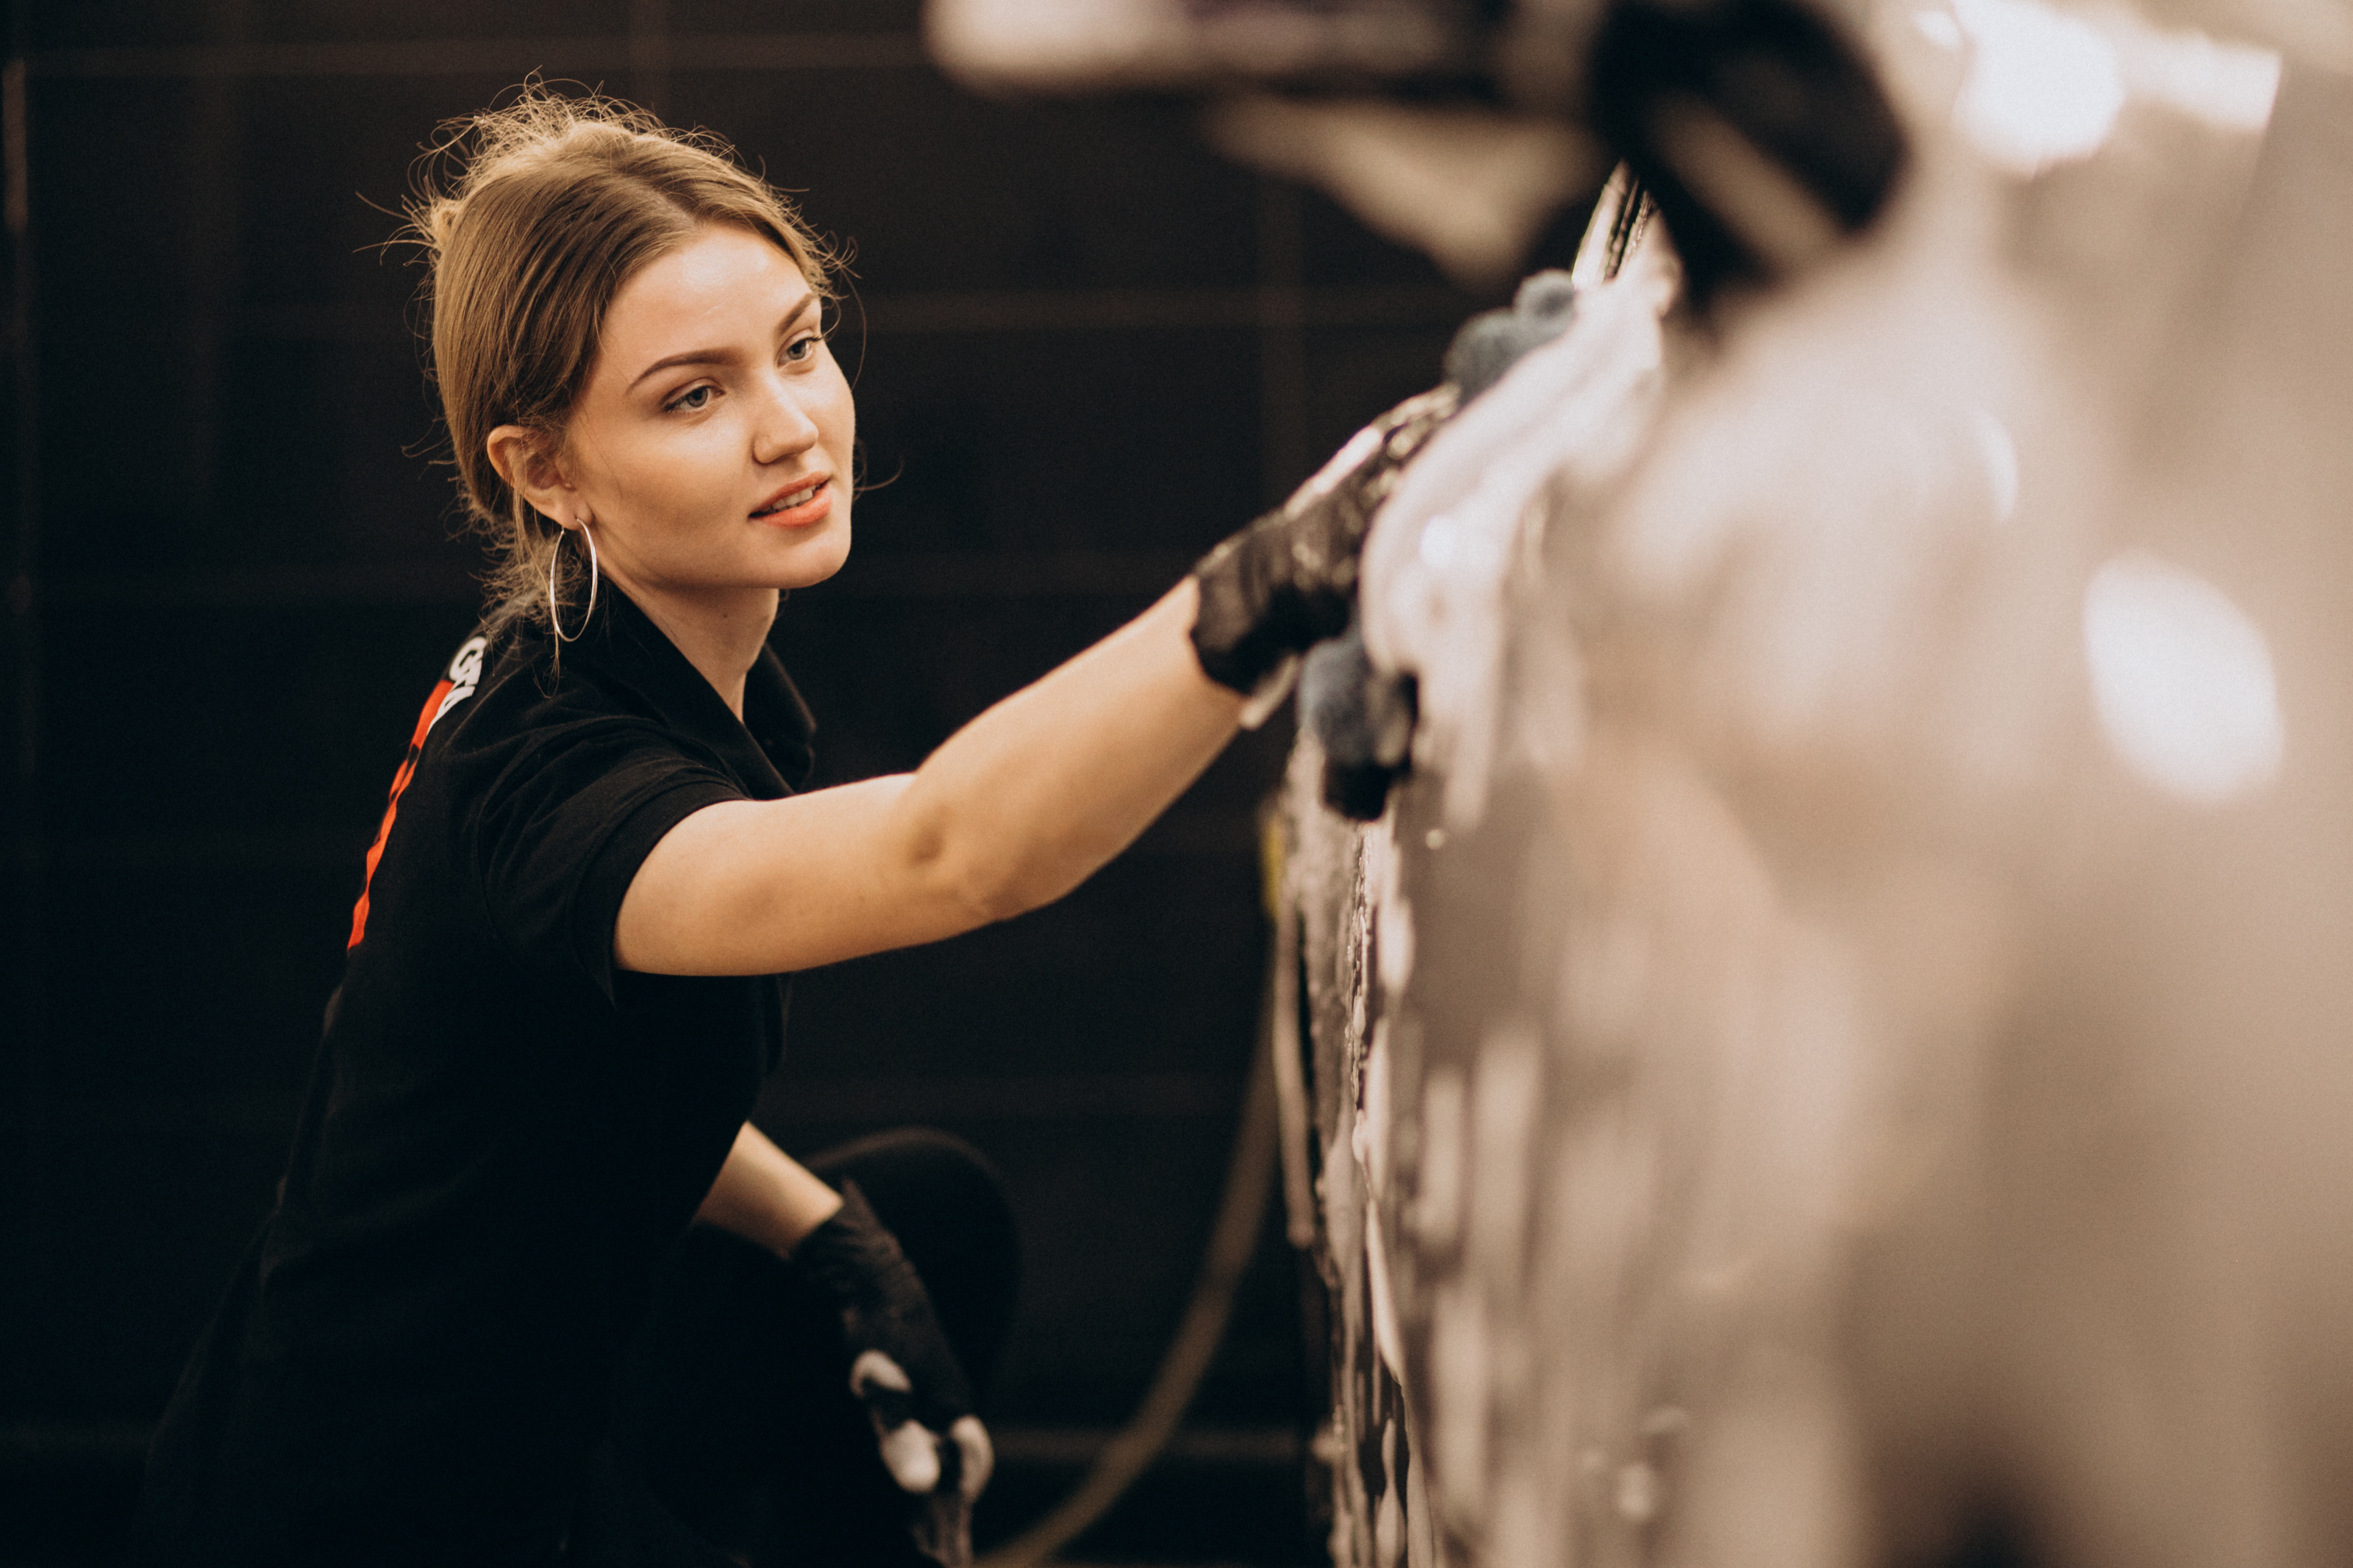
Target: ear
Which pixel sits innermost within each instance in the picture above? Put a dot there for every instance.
(532, 471)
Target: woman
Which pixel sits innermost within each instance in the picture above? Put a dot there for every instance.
(469, 1331)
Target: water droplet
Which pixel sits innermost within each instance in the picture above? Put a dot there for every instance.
(1438, 543)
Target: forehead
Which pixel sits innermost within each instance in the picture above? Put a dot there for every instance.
(725, 285)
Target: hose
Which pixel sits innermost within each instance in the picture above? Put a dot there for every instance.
(1233, 1239)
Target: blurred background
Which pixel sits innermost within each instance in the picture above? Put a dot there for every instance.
(1085, 348)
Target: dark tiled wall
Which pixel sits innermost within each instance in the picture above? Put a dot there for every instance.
(1086, 348)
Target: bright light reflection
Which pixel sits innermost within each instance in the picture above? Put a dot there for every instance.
(1939, 28)
(2182, 679)
(2042, 88)
(2231, 87)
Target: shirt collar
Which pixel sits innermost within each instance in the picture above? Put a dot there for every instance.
(771, 749)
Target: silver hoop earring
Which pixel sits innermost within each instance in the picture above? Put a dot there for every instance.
(552, 624)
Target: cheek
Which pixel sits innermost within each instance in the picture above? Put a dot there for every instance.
(678, 474)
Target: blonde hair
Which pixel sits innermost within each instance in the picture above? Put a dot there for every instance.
(555, 203)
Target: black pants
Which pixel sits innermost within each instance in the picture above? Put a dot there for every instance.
(735, 1436)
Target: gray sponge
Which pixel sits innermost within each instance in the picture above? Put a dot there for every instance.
(1492, 343)
(1362, 719)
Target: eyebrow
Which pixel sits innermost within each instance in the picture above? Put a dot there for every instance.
(721, 356)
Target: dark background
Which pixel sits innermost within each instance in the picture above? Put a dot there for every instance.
(1085, 346)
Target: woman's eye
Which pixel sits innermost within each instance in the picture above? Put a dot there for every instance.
(692, 399)
(804, 348)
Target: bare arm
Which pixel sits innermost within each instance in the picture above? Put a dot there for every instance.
(1015, 810)
(765, 1195)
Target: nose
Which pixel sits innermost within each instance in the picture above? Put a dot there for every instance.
(784, 428)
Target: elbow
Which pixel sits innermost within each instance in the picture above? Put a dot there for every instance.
(1016, 889)
(999, 900)
(978, 866)
(994, 889)
(973, 882)
(979, 894)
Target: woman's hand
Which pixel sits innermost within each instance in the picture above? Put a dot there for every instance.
(903, 1370)
(1289, 580)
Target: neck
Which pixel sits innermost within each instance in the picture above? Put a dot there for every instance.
(720, 631)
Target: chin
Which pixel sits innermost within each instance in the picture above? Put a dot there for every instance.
(819, 559)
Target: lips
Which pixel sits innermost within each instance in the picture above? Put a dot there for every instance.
(800, 504)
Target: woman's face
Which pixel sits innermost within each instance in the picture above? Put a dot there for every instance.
(711, 445)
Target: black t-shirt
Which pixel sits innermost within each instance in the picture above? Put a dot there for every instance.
(502, 1136)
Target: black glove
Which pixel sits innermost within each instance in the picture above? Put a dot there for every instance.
(1289, 580)
(902, 1370)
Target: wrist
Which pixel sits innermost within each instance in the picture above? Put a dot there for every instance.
(850, 1253)
(1246, 620)
(765, 1196)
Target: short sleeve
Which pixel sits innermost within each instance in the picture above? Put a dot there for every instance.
(558, 833)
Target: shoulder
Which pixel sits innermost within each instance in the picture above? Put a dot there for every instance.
(533, 736)
(509, 691)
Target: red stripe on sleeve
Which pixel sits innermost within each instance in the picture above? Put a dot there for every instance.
(392, 808)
